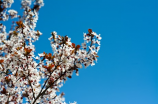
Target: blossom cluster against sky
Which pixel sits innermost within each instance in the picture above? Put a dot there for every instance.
(126, 70)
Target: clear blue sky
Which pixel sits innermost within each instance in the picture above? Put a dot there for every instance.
(126, 72)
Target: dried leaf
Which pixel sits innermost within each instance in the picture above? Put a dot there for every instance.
(1, 61)
(73, 45)
(78, 46)
(90, 30)
(69, 77)
(96, 56)
(72, 52)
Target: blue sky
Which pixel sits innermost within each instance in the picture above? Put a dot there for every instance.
(126, 72)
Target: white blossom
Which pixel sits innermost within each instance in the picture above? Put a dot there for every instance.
(25, 3)
(78, 65)
(12, 13)
(21, 75)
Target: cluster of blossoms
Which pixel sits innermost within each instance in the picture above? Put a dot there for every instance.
(20, 74)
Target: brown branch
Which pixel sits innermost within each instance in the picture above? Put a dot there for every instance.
(8, 98)
(29, 80)
(51, 85)
(91, 44)
(48, 79)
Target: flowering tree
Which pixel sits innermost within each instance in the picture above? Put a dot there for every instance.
(20, 74)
